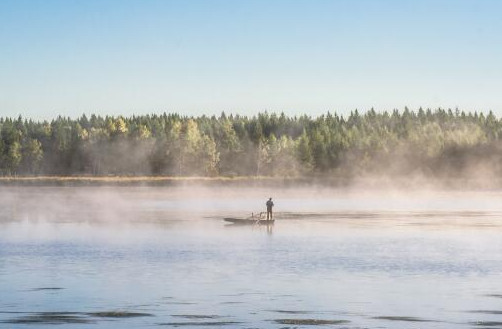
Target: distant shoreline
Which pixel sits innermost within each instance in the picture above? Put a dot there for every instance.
(152, 181)
(371, 183)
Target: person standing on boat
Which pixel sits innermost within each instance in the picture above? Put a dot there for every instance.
(269, 204)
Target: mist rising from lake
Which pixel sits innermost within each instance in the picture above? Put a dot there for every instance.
(139, 257)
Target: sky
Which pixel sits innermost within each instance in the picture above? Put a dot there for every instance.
(195, 57)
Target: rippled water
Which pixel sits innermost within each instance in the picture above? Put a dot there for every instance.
(162, 257)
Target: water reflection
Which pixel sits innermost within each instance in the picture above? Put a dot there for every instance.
(141, 258)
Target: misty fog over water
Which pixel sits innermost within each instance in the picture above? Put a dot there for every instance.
(142, 257)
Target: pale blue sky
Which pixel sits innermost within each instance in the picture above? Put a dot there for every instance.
(203, 57)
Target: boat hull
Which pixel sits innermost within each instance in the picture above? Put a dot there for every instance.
(247, 221)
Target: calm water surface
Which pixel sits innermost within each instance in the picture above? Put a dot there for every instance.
(162, 257)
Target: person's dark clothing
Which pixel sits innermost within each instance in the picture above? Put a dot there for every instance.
(269, 204)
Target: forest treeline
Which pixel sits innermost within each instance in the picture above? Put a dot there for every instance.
(433, 143)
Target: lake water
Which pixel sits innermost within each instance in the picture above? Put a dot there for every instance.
(147, 257)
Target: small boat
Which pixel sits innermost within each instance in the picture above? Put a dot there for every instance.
(249, 221)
